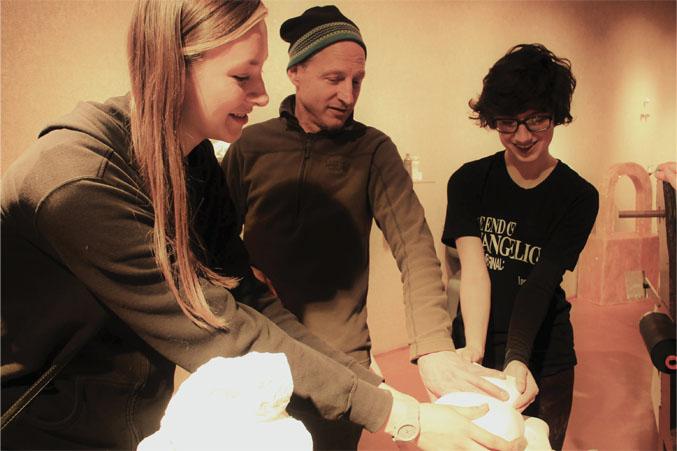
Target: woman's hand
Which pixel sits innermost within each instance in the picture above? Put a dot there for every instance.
(451, 428)
(526, 385)
(444, 427)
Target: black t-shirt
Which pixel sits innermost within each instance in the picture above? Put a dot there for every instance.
(530, 237)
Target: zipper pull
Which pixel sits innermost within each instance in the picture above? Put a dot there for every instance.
(306, 152)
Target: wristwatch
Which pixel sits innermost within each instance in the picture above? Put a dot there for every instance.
(408, 428)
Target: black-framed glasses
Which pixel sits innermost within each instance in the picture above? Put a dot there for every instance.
(535, 123)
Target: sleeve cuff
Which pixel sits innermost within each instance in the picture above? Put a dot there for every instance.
(429, 346)
(512, 354)
(370, 406)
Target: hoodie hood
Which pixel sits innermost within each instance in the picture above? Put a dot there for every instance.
(91, 142)
(107, 123)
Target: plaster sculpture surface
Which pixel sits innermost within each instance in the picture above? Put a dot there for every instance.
(503, 419)
(232, 403)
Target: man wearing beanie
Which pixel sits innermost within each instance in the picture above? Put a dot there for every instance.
(308, 185)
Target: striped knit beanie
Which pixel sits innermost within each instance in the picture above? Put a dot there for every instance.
(316, 29)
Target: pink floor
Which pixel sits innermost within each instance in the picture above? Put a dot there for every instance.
(612, 402)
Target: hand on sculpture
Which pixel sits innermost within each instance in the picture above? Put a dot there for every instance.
(445, 371)
(441, 427)
(451, 428)
(667, 172)
(526, 385)
(263, 278)
(470, 354)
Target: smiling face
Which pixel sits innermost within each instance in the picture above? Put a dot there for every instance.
(222, 88)
(524, 147)
(328, 85)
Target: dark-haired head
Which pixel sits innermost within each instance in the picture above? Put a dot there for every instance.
(528, 77)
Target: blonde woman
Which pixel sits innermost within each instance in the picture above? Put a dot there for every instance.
(118, 233)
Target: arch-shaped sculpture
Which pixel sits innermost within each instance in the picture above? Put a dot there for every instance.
(611, 258)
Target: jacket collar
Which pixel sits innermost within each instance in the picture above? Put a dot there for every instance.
(288, 106)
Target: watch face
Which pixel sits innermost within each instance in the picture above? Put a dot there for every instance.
(406, 433)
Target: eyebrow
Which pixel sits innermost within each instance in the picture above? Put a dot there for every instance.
(257, 62)
(246, 65)
(502, 117)
(340, 72)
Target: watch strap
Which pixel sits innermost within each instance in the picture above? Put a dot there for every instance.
(405, 426)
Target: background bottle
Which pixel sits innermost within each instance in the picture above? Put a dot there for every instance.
(416, 174)
(408, 164)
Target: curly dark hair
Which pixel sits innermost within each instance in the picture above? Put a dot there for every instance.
(528, 77)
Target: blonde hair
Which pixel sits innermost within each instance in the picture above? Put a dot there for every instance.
(164, 37)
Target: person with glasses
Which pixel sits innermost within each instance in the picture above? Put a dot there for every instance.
(519, 218)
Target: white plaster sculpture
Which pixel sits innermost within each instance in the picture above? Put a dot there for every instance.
(503, 419)
(232, 403)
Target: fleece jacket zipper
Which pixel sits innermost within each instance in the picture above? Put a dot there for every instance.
(302, 174)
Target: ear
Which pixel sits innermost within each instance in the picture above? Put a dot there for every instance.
(293, 74)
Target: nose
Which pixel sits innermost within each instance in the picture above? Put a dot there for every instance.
(346, 92)
(522, 134)
(258, 94)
